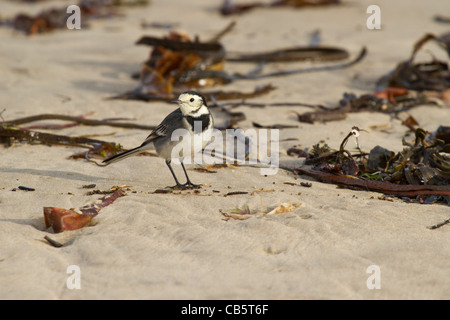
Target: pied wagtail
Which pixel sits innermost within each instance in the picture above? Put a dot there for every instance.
(192, 108)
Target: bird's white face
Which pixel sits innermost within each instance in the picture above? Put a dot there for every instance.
(192, 104)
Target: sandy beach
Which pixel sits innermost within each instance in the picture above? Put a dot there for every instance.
(180, 245)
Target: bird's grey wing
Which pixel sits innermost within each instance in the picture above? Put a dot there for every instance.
(164, 129)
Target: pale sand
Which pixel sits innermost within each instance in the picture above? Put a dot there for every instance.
(163, 246)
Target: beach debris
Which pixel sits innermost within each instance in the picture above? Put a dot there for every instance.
(322, 115)
(110, 191)
(421, 169)
(224, 118)
(262, 191)
(389, 100)
(215, 95)
(159, 25)
(441, 224)
(179, 62)
(70, 219)
(89, 186)
(8, 135)
(443, 133)
(99, 152)
(52, 242)
(337, 55)
(235, 193)
(237, 213)
(12, 130)
(26, 188)
(411, 123)
(301, 153)
(433, 75)
(245, 213)
(284, 207)
(442, 19)
(273, 126)
(211, 168)
(228, 8)
(294, 54)
(56, 18)
(74, 120)
(98, 191)
(306, 184)
(409, 85)
(97, 148)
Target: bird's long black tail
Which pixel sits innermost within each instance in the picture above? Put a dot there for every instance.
(123, 155)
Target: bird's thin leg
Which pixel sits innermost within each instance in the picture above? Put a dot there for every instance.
(179, 185)
(188, 181)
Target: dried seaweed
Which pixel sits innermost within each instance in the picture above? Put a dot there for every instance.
(298, 152)
(376, 186)
(177, 62)
(209, 168)
(273, 126)
(98, 149)
(422, 168)
(411, 84)
(322, 115)
(8, 135)
(291, 55)
(433, 75)
(56, 18)
(258, 75)
(26, 188)
(443, 133)
(441, 224)
(442, 19)
(228, 8)
(75, 120)
(234, 193)
(390, 100)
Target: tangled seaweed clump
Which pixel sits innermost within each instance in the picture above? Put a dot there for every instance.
(421, 169)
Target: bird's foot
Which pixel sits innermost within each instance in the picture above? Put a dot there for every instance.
(186, 186)
(190, 185)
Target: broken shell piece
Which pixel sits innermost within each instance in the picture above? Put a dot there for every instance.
(285, 207)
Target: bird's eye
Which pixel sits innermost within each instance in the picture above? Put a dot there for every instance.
(192, 100)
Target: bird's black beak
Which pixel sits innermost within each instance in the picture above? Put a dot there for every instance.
(178, 101)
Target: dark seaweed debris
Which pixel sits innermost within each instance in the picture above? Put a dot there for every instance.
(389, 100)
(178, 62)
(421, 169)
(410, 84)
(228, 8)
(433, 75)
(56, 18)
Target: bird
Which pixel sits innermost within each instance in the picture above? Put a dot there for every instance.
(194, 117)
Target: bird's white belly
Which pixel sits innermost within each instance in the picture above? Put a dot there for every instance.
(187, 146)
